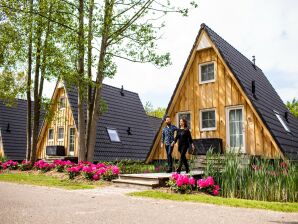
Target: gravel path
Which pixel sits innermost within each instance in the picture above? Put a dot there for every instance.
(32, 204)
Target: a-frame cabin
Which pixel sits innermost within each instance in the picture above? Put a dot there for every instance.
(224, 95)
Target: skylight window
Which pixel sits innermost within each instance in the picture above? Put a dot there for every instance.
(113, 134)
(281, 120)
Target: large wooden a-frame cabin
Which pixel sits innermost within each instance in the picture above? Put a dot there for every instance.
(226, 96)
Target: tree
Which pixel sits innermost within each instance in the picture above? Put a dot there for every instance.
(157, 112)
(129, 30)
(293, 107)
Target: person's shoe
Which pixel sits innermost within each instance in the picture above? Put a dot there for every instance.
(187, 171)
(178, 171)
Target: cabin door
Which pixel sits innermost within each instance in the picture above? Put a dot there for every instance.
(71, 145)
(235, 129)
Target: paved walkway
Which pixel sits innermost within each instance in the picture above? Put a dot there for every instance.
(31, 204)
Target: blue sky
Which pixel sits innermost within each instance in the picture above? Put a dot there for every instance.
(266, 29)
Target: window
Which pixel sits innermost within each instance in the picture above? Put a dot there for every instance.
(61, 103)
(51, 134)
(114, 137)
(208, 120)
(207, 72)
(60, 133)
(235, 130)
(72, 137)
(281, 120)
(186, 116)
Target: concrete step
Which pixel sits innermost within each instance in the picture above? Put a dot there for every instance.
(135, 183)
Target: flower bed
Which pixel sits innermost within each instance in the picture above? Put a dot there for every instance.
(184, 184)
(89, 171)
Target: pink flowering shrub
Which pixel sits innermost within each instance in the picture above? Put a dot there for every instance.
(208, 185)
(43, 166)
(25, 165)
(73, 171)
(11, 165)
(181, 183)
(61, 165)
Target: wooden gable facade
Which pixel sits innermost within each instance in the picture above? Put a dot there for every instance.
(213, 104)
(60, 129)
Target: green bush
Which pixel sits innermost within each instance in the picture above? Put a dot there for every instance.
(251, 177)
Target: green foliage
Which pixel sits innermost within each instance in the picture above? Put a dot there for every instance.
(11, 86)
(155, 112)
(129, 167)
(293, 107)
(254, 178)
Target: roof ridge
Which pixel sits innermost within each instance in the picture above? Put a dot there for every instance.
(203, 26)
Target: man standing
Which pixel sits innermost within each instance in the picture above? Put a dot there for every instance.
(167, 139)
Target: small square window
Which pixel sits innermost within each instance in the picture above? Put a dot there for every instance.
(281, 120)
(113, 134)
(208, 120)
(207, 72)
(186, 116)
(60, 133)
(51, 134)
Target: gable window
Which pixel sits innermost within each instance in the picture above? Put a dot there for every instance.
(50, 136)
(208, 120)
(282, 121)
(186, 116)
(113, 134)
(60, 136)
(207, 72)
(61, 104)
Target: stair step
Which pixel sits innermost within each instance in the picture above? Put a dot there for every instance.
(136, 183)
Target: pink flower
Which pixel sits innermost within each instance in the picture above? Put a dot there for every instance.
(179, 182)
(101, 171)
(215, 192)
(175, 176)
(191, 181)
(216, 187)
(115, 170)
(185, 179)
(96, 177)
(100, 165)
(202, 183)
(210, 181)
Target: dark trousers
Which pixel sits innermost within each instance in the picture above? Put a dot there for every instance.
(183, 161)
(169, 150)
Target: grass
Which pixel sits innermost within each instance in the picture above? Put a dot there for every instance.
(49, 181)
(232, 202)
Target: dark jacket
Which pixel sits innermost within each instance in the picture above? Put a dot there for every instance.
(184, 139)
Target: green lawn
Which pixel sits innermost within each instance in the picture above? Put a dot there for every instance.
(49, 181)
(201, 198)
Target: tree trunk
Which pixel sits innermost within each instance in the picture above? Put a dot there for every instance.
(100, 76)
(80, 86)
(29, 109)
(36, 103)
(89, 99)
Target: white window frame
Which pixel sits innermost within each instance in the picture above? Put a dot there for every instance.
(214, 70)
(71, 153)
(201, 120)
(243, 149)
(113, 129)
(60, 140)
(282, 121)
(51, 140)
(181, 113)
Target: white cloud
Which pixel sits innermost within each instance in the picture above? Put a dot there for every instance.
(266, 29)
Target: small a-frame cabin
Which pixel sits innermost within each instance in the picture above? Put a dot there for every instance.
(226, 96)
(124, 131)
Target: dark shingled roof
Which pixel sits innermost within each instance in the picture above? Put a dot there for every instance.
(123, 112)
(14, 140)
(267, 100)
(155, 122)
